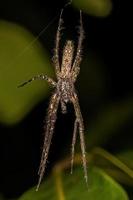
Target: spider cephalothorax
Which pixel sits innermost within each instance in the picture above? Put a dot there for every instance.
(64, 92)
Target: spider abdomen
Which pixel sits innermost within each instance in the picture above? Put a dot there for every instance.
(67, 58)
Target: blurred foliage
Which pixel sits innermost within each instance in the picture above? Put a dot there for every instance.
(116, 166)
(20, 61)
(100, 8)
(127, 157)
(65, 186)
(109, 120)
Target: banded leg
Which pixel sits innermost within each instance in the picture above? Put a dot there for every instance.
(75, 68)
(40, 77)
(73, 143)
(81, 133)
(57, 43)
(50, 123)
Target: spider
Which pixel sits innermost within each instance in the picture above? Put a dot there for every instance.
(64, 92)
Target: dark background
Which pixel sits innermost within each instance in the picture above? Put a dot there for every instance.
(109, 38)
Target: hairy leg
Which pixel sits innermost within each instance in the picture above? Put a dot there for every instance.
(39, 77)
(56, 49)
(73, 143)
(75, 68)
(81, 133)
(50, 123)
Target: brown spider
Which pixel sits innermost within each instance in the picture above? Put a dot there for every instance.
(64, 92)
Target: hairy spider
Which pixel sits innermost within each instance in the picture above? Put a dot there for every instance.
(64, 92)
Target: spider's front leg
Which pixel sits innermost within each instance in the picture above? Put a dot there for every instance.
(73, 143)
(49, 128)
(79, 123)
(40, 77)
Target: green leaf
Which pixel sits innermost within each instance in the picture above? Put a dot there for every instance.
(100, 8)
(109, 120)
(117, 166)
(64, 186)
(126, 157)
(20, 59)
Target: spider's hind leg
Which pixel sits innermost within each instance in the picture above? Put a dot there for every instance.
(76, 64)
(55, 58)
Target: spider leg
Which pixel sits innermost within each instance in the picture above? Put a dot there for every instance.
(81, 133)
(73, 143)
(75, 68)
(50, 123)
(57, 42)
(39, 77)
